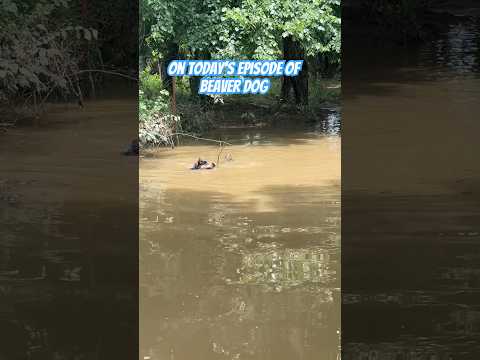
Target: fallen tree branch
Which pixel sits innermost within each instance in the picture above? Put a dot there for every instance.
(221, 143)
(200, 138)
(108, 72)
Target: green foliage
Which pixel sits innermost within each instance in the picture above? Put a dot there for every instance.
(193, 24)
(153, 99)
(258, 27)
(230, 29)
(149, 106)
(38, 54)
(151, 85)
(157, 124)
(239, 29)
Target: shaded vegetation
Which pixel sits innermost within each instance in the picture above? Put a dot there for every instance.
(49, 49)
(398, 22)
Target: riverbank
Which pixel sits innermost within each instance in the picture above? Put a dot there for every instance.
(161, 121)
(67, 107)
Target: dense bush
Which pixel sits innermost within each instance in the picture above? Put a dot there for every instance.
(157, 124)
(39, 54)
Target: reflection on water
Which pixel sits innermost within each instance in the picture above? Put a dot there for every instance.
(456, 51)
(331, 124)
(242, 262)
(411, 275)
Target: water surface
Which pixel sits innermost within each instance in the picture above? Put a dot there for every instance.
(410, 196)
(242, 262)
(69, 234)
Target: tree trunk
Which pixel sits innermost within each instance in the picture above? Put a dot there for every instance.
(84, 7)
(172, 54)
(156, 68)
(292, 50)
(194, 81)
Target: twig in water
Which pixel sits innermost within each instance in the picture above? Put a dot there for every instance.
(220, 142)
(218, 155)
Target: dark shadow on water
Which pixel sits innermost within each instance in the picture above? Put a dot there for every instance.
(410, 195)
(427, 300)
(66, 273)
(453, 54)
(69, 236)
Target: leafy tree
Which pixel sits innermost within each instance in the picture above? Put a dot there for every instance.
(39, 53)
(306, 30)
(172, 29)
(260, 26)
(289, 29)
(252, 29)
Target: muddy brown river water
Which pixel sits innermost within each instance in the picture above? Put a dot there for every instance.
(242, 262)
(410, 198)
(69, 235)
